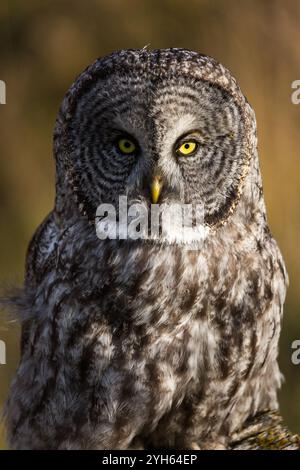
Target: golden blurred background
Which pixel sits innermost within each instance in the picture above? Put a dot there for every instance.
(45, 45)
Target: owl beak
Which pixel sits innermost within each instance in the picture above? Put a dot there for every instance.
(156, 187)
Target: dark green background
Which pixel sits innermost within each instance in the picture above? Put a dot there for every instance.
(45, 44)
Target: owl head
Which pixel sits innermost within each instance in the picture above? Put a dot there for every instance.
(157, 126)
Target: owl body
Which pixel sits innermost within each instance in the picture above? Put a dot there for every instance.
(147, 340)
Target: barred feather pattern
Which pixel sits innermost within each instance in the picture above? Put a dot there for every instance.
(145, 340)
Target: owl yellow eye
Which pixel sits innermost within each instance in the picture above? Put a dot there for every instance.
(126, 146)
(187, 148)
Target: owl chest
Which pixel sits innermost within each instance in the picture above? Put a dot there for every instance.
(187, 317)
(196, 329)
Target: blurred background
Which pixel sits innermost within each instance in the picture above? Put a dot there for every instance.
(45, 44)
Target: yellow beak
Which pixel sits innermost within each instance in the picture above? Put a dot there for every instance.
(156, 187)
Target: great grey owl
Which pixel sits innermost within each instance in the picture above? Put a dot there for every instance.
(142, 342)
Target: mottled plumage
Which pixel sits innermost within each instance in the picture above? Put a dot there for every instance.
(146, 341)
